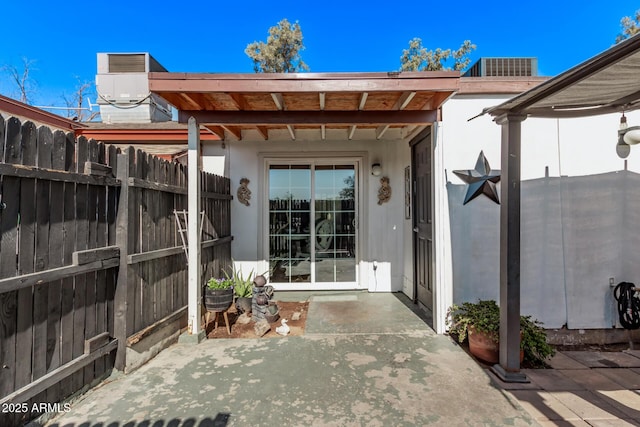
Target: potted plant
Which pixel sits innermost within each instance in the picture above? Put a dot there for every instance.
(218, 294)
(243, 290)
(479, 324)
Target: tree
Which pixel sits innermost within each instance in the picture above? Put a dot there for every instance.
(630, 26)
(22, 79)
(418, 58)
(75, 103)
(281, 52)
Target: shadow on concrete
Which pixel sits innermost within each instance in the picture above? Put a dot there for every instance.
(572, 391)
(221, 420)
(423, 313)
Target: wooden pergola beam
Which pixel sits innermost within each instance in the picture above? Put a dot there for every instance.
(323, 132)
(339, 118)
(303, 83)
(322, 100)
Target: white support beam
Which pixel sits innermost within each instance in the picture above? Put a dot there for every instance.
(380, 131)
(292, 132)
(278, 100)
(323, 132)
(321, 95)
(404, 100)
(352, 130)
(193, 229)
(363, 100)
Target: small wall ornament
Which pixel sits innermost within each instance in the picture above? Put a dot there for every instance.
(481, 180)
(384, 193)
(244, 194)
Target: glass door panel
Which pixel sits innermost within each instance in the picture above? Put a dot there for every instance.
(335, 221)
(289, 223)
(312, 223)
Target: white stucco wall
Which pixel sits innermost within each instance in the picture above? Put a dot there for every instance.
(578, 207)
(382, 232)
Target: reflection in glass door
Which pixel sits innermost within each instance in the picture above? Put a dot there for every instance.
(312, 223)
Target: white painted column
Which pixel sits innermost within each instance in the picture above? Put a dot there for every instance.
(195, 269)
(443, 268)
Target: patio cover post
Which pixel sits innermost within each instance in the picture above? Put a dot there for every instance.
(193, 232)
(509, 367)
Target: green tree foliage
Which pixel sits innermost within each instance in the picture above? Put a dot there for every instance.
(630, 27)
(281, 52)
(418, 58)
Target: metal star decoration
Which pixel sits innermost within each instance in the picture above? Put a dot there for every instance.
(481, 180)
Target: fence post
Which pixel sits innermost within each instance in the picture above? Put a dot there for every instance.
(121, 299)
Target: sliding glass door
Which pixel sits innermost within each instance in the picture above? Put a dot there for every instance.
(313, 224)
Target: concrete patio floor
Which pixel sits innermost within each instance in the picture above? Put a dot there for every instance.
(364, 360)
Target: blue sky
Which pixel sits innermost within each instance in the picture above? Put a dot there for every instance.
(62, 38)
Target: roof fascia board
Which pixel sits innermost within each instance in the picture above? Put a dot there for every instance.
(17, 108)
(164, 82)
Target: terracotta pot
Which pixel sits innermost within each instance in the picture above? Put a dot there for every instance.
(486, 348)
(483, 346)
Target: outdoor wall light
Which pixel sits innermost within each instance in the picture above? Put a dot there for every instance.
(376, 169)
(627, 136)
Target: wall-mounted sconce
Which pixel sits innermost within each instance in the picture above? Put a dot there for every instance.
(627, 136)
(376, 169)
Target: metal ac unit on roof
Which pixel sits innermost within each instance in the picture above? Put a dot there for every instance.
(503, 67)
(122, 83)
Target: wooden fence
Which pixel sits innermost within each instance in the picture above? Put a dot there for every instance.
(90, 258)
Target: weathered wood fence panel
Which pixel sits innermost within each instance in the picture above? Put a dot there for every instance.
(91, 260)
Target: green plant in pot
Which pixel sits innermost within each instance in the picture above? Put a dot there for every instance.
(218, 294)
(243, 289)
(479, 324)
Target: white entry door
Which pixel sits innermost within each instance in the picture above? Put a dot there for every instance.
(312, 225)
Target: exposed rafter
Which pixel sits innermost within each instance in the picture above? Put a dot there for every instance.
(380, 131)
(352, 130)
(189, 100)
(322, 97)
(323, 132)
(404, 100)
(238, 100)
(363, 100)
(292, 132)
(233, 130)
(217, 130)
(278, 100)
(263, 131)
